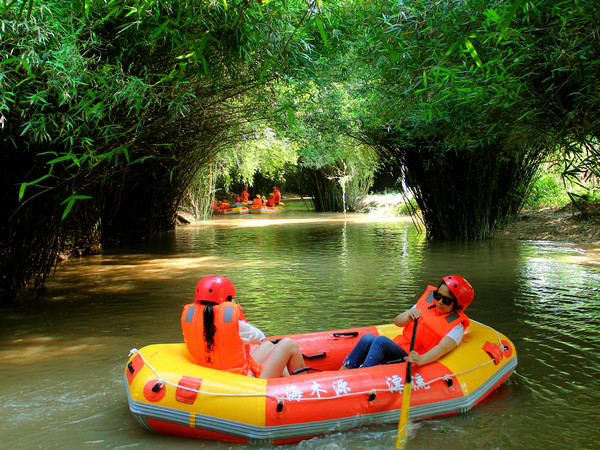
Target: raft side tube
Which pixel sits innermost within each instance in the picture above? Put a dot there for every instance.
(268, 434)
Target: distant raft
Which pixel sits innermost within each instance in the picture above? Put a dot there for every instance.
(255, 209)
(227, 211)
(169, 393)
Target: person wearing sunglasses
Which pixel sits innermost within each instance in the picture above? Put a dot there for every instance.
(441, 325)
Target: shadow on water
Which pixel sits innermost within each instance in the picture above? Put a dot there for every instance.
(62, 357)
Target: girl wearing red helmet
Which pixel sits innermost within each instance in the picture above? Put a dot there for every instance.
(217, 335)
(441, 326)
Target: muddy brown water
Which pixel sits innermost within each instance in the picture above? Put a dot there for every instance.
(62, 357)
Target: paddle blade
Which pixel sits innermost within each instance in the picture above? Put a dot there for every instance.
(403, 424)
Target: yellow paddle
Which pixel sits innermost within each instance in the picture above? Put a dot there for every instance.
(403, 424)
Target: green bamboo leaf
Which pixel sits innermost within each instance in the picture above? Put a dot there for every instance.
(454, 47)
(160, 29)
(321, 29)
(70, 201)
(265, 69)
(203, 42)
(29, 9)
(60, 158)
(509, 17)
(22, 191)
(469, 45)
(10, 60)
(68, 207)
(393, 53)
(204, 65)
(31, 183)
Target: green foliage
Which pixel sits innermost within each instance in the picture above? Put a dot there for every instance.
(474, 95)
(123, 102)
(263, 152)
(547, 191)
(408, 207)
(110, 110)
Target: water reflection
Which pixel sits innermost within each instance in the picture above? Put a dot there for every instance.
(62, 357)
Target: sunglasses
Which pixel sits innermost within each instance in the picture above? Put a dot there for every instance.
(445, 300)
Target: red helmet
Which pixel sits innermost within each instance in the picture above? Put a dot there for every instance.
(237, 199)
(214, 289)
(461, 289)
(274, 188)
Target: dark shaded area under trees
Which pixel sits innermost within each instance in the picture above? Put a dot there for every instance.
(106, 121)
(111, 114)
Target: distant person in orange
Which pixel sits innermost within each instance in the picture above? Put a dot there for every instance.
(245, 195)
(257, 201)
(224, 205)
(277, 194)
(271, 201)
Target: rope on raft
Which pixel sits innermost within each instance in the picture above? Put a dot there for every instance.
(281, 400)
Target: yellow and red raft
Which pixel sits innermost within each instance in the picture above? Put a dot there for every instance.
(264, 209)
(169, 393)
(229, 211)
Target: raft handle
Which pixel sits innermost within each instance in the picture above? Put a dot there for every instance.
(279, 406)
(157, 387)
(305, 369)
(316, 355)
(396, 361)
(130, 367)
(449, 382)
(346, 334)
(372, 396)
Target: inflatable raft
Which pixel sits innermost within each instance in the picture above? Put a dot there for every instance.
(168, 393)
(255, 209)
(226, 211)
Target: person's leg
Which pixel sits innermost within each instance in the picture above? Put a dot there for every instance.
(383, 349)
(358, 353)
(260, 353)
(285, 354)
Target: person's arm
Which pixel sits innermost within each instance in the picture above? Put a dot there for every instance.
(445, 345)
(406, 317)
(249, 334)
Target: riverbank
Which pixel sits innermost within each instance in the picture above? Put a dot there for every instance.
(549, 224)
(554, 224)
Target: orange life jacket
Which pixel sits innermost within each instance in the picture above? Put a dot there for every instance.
(271, 201)
(432, 326)
(257, 202)
(245, 196)
(229, 353)
(277, 196)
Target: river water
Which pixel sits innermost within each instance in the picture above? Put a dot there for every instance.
(62, 357)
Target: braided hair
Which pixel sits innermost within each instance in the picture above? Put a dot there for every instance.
(209, 325)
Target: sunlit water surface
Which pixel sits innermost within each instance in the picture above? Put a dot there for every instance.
(62, 357)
